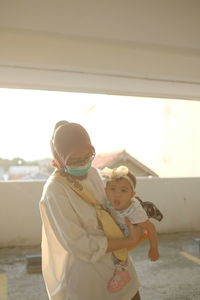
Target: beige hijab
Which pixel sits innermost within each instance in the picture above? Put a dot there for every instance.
(69, 138)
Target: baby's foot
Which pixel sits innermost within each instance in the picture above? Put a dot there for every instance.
(118, 281)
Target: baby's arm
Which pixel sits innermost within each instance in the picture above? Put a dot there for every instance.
(153, 240)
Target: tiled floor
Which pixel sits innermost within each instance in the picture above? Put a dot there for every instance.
(176, 276)
(21, 285)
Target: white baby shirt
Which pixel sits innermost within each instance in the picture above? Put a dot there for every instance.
(135, 213)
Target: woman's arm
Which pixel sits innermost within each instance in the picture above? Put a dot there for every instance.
(131, 241)
(60, 219)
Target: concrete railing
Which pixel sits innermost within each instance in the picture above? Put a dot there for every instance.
(177, 198)
(20, 223)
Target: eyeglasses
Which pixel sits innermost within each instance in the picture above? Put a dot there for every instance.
(81, 161)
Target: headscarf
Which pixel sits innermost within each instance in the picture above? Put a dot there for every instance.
(69, 138)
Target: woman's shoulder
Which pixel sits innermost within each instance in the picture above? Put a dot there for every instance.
(53, 186)
(93, 174)
(93, 171)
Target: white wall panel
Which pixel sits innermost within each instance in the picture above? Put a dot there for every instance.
(177, 198)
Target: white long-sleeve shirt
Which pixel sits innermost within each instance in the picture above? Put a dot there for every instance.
(75, 264)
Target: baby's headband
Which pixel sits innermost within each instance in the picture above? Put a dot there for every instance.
(116, 173)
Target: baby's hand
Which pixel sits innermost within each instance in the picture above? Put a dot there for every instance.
(154, 254)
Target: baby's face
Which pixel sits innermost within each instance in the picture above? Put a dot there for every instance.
(119, 193)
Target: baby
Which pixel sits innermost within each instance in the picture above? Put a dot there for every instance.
(120, 186)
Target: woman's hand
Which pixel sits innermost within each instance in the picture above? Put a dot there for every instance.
(130, 242)
(135, 231)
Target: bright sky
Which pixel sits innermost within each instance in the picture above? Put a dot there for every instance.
(145, 127)
(28, 118)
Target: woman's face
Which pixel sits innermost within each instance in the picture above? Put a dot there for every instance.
(81, 157)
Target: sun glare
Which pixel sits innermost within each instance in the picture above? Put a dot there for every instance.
(160, 133)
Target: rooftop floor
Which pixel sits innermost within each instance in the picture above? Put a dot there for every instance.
(176, 276)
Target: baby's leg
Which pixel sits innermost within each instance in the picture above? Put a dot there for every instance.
(120, 277)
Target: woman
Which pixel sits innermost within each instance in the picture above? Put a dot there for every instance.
(76, 253)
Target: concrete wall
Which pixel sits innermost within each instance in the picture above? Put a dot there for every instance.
(20, 224)
(177, 198)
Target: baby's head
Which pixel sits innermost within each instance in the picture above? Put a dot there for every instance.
(120, 186)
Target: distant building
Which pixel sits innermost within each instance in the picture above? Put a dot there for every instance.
(44, 162)
(18, 172)
(121, 157)
(36, 176)
(1, 173)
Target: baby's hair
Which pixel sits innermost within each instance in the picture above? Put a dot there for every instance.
(132, 178)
